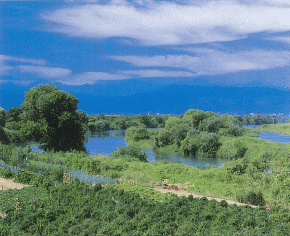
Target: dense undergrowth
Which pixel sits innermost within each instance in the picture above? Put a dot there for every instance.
(78, 209)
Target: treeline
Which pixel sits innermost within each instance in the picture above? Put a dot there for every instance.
(259, 120)
(195, 133)
(103, 122)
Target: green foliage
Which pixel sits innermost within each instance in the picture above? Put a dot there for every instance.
(2, 117)
(162, 139)
(258, 120)
(32, 131)
(255, 199)
(3, 136)
(57, 110)
(279, 128)
(244, 165)
(137, 133)
(130, 151)
(103, 122)
(211, 125)
(241, 149)
(197, 132)
(200, 143)
(195, 117)
(81, 210)
(14, 114)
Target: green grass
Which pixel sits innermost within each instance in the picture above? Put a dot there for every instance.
(279, 128)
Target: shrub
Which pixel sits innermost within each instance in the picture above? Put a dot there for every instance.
(137, 133)
(203, 143)
(6, 173)
(130, 151)
(255, 198)
(162, 139)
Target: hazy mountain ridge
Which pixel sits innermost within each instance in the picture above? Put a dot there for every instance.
(171, 99)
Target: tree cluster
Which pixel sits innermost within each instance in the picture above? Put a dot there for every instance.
(101, 122)
(48, 116)
(197, 132)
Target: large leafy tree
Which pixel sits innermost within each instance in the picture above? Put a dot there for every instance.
(2, 117)
(56, 111)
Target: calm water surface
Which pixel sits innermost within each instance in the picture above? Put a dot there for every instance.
(271, 136)
(105, 143)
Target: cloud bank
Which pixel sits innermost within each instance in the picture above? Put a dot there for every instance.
(213, 62)
(169, 23)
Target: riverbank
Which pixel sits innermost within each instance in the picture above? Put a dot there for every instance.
(278, 128)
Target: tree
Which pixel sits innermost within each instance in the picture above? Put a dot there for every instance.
(2, 117)
(195, 117)
(56, 110)
(137, 133)
(14, 114)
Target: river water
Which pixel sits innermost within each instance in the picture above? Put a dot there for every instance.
(108, 142)
(271, 136)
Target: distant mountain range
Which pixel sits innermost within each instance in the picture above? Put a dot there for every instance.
(173, 99)
(178, 99)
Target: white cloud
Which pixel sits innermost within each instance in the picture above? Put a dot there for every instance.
(4, 58)
(5, 69)
(91, 78)
(162, 22)
(46, 72)
(212, 62)
(280, 39)
(157, 73)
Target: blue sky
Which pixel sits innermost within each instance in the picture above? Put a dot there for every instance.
(238, 43)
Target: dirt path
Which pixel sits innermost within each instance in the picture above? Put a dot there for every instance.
(185, 193)
(6, 184)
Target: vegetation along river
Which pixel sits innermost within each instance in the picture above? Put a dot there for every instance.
(108, 142)
(104, 143)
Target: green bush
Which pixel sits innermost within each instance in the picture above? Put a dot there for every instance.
(162, 139)
(137, 133)
(130, 151)
(6, 173)
(202, 143)
(253, 198)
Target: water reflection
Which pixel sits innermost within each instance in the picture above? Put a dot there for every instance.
(105, 143)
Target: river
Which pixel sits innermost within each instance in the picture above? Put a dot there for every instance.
(109, 141)
(105, 143)
(271, 136)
